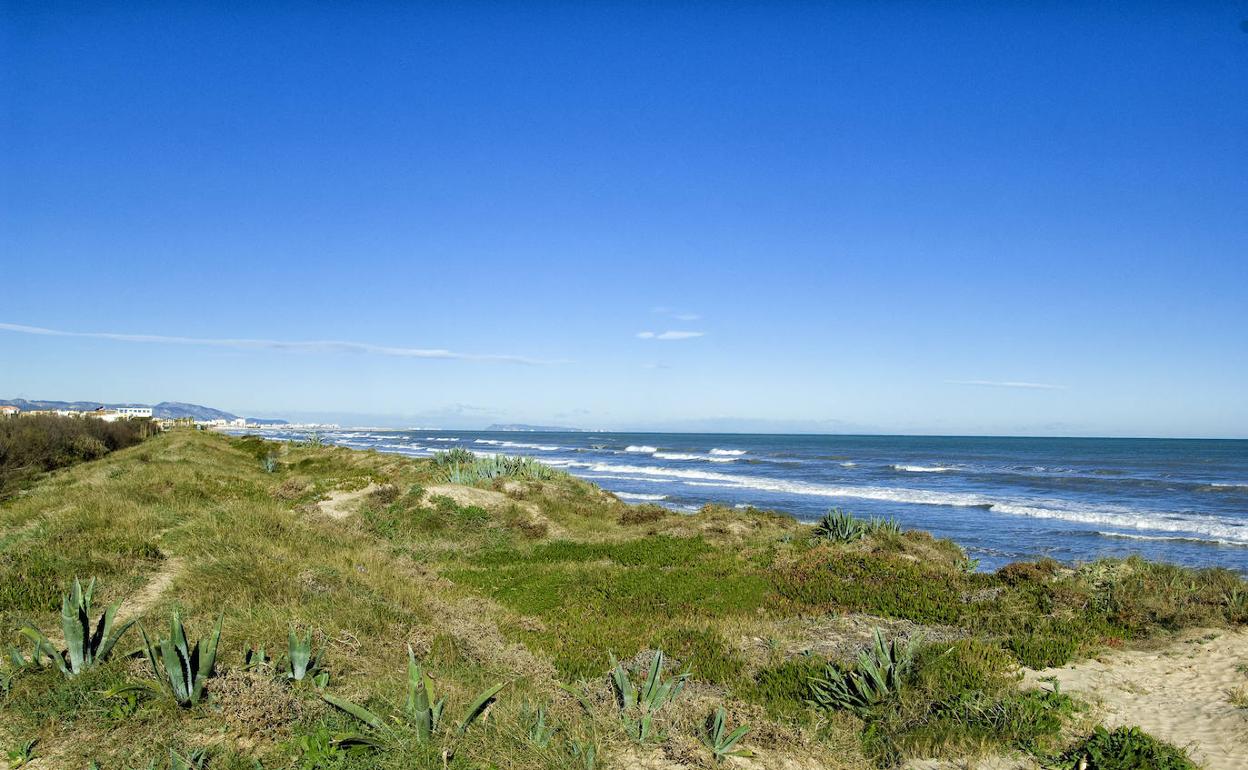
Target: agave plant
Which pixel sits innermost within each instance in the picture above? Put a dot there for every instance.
(585, 753)
(878, 674)
(194, 760)
(721, 742)
(638, 706)
(84, 647)
(540, 733)
(839, 527)
(301, 663)
(182, 670)
(422, 710)
(254, 658)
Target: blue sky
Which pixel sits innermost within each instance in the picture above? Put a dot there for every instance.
(876, 217)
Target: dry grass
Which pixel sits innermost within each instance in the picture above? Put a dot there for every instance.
(529, 582)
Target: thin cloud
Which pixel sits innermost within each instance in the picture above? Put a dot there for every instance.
(669, 335)
(315, 346)
(1007, 384)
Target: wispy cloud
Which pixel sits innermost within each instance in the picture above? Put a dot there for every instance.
(313, 346)
(669, 335)
(1007, 384)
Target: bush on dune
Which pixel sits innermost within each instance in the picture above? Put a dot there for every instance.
(40, 443)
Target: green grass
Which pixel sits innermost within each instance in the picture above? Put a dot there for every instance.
(536, 584)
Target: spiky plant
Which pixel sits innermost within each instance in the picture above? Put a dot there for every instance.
(194, 760)
(255, 658)
(422, 710)
(540, 734)
(721, 742)
(585, 753)
(22, 754)
(880, 525)
(638, 707)
(182, 670)
(83, 647)
(301, 663)
(878, 674)
(839, 526)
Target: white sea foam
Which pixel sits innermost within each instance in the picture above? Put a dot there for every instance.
(639, 497)
(493, 442)
(848, 464)
(1194, 525)
(728, 452)
(685, 456)
(642, 449)
(920, 468)
(435, 438)
(539, 447)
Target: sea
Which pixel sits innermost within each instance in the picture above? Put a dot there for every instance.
(1003, 499)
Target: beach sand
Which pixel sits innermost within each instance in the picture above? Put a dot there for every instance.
(1181, 692)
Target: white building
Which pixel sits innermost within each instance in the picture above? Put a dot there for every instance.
(9, 411)
(134, 411)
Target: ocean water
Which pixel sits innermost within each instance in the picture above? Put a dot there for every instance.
(1003, 499)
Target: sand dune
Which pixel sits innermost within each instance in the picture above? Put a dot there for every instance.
(1181, 692)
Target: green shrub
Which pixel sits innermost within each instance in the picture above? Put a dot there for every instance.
(34, 444)
(705, 652)
(784, 688)
(1126, 748)
(1046, 645)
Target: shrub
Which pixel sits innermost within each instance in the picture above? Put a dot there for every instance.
(39, 443)
(1047, 645)
(1126, 748)
(1020, 572)
(705, 652)
(784, 689)
(643, 514)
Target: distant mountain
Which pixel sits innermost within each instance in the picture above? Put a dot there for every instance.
(172, 410)
(169, 410)
(521, 428)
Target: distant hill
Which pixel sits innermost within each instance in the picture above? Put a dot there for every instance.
(169, 410)
(521, 428)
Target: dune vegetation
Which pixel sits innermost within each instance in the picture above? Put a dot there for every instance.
(308, 606)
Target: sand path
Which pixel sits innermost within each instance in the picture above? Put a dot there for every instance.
(1181, 693)
(339, 504)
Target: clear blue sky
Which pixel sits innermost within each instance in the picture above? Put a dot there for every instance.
(853, 216)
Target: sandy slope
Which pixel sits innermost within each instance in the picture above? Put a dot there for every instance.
(1180, 692)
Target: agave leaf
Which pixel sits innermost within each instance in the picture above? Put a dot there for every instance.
(109, 642)
(177, 669)
(77, 630)
(357, 742)
(206, 662)
(355, 710)
(177, 635)
(736, 735)
(153, 657)
(479, 706)
(42, 645)
(578, 694)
